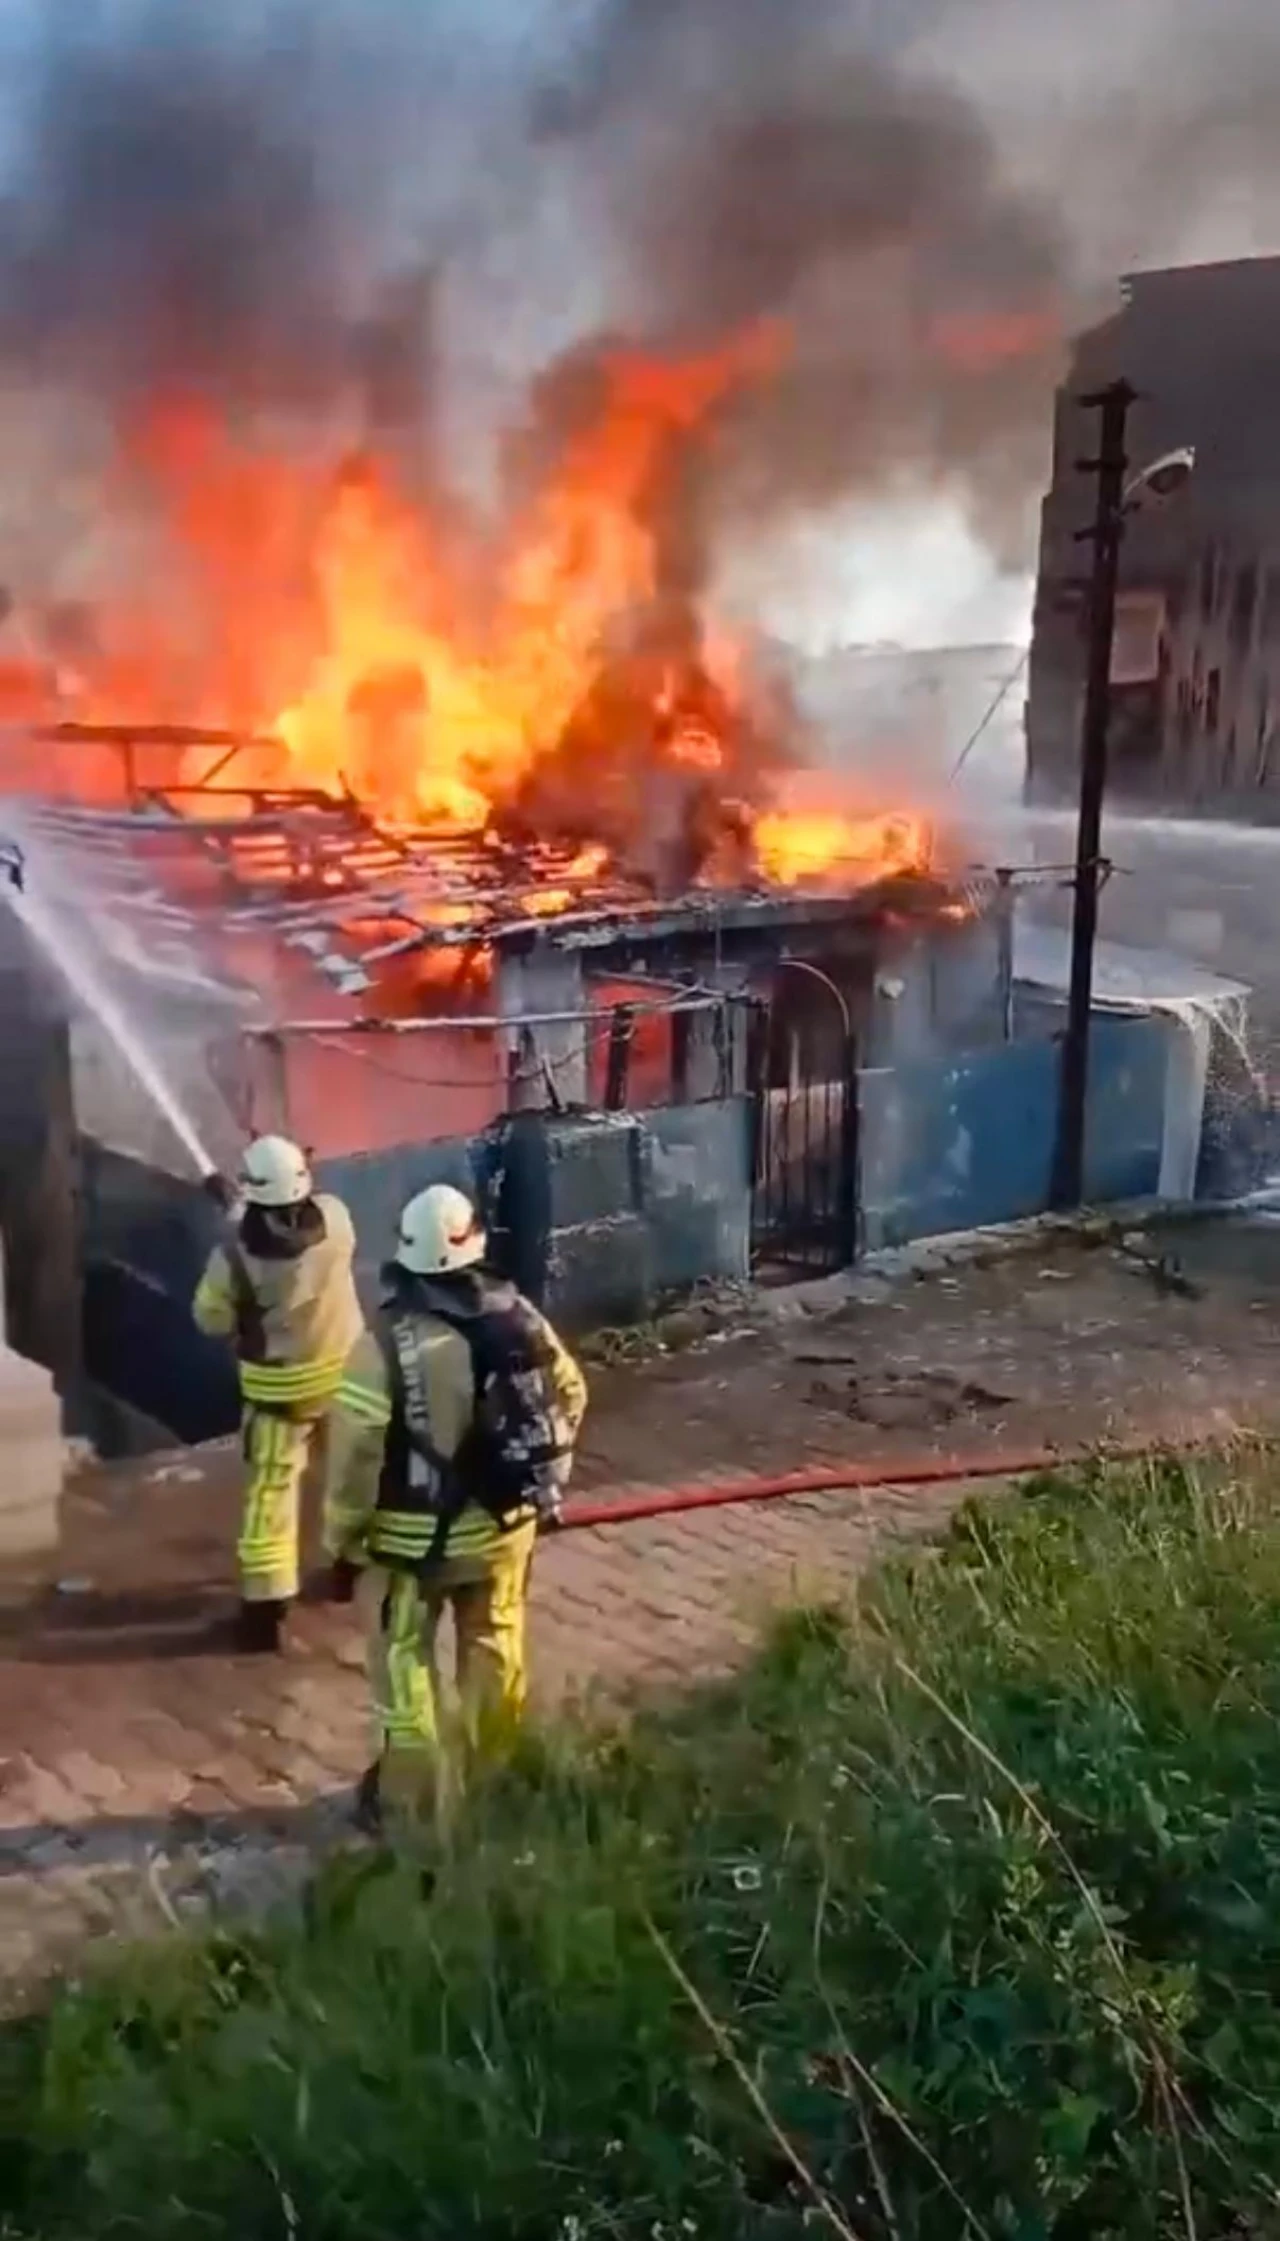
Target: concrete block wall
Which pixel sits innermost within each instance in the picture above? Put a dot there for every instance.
(699, 1201)
(567, 1206)
(375, 1185)
(601, 1215)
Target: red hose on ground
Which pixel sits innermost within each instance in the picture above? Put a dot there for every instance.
(906, 1470)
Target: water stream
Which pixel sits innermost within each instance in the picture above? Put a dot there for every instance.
(61, 941)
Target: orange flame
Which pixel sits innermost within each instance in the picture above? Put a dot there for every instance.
(795, 846)
(456, 730)
(323, 609)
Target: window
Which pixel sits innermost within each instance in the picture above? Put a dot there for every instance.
(1212, 700)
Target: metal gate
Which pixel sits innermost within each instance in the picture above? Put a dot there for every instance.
(805, 1202)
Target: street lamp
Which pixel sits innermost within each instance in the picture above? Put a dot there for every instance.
(1166, 477)
(1156, 483)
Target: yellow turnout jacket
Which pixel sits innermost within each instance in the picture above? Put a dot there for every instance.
(294, 1319)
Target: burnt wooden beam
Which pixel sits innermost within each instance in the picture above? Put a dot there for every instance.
(622, 1032)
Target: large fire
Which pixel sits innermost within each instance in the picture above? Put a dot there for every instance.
(580, 697)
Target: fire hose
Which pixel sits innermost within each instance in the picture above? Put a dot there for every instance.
(832, 1478)
(851, 1477)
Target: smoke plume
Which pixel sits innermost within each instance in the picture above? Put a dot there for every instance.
(430, 210)
(244, 206)
(169, 228)
(764, 167)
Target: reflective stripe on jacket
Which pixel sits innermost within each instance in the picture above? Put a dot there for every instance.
(354, 1525)
(305, 1316)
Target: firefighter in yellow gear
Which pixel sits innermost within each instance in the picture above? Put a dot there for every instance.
(282, 1288)
(457, 1422)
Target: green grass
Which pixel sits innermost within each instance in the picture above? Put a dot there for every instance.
(956, 1914)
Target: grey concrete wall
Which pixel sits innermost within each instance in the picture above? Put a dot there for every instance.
(597, 1245)
(937, 987)
(699, 1201)
(376, 1185)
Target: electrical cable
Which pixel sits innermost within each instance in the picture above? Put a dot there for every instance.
(359, 1048)
(991, 711)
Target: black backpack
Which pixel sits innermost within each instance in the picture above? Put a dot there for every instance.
(507, 1458)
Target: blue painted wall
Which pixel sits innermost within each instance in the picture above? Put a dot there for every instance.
(962, 1143)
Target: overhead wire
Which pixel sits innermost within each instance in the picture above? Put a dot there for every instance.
(988, 715)
(597, 1028)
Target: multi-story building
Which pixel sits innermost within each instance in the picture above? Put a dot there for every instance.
(1196, 667)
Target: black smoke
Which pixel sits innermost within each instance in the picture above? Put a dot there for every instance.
(764, 162)
(273, 207)
(169, 228)
(247, 205)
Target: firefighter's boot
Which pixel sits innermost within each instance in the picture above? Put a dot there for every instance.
(260, 1629)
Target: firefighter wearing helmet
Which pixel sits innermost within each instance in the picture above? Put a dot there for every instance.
(281, 1287)
(439, 1491)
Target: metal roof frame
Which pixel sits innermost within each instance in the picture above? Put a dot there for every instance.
(412, 891)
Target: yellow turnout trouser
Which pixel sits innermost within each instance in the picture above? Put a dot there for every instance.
(277, 1451)
(487, 1596)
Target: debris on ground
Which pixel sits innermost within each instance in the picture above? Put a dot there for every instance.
(900, 1398)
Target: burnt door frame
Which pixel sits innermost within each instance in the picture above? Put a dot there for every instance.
(805, 1197)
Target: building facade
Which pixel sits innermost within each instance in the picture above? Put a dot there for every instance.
(1196, 664)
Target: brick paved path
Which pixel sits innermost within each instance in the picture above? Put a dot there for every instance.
(144, 1770)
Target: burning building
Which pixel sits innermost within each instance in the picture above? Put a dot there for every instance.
(1196, 669)
(399, 996)
(384, 830)
(440, 818)
(298, 919)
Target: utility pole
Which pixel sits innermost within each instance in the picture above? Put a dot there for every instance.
(1112, 403)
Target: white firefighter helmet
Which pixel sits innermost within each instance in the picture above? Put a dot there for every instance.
(275, 1172)
(440, 1233)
